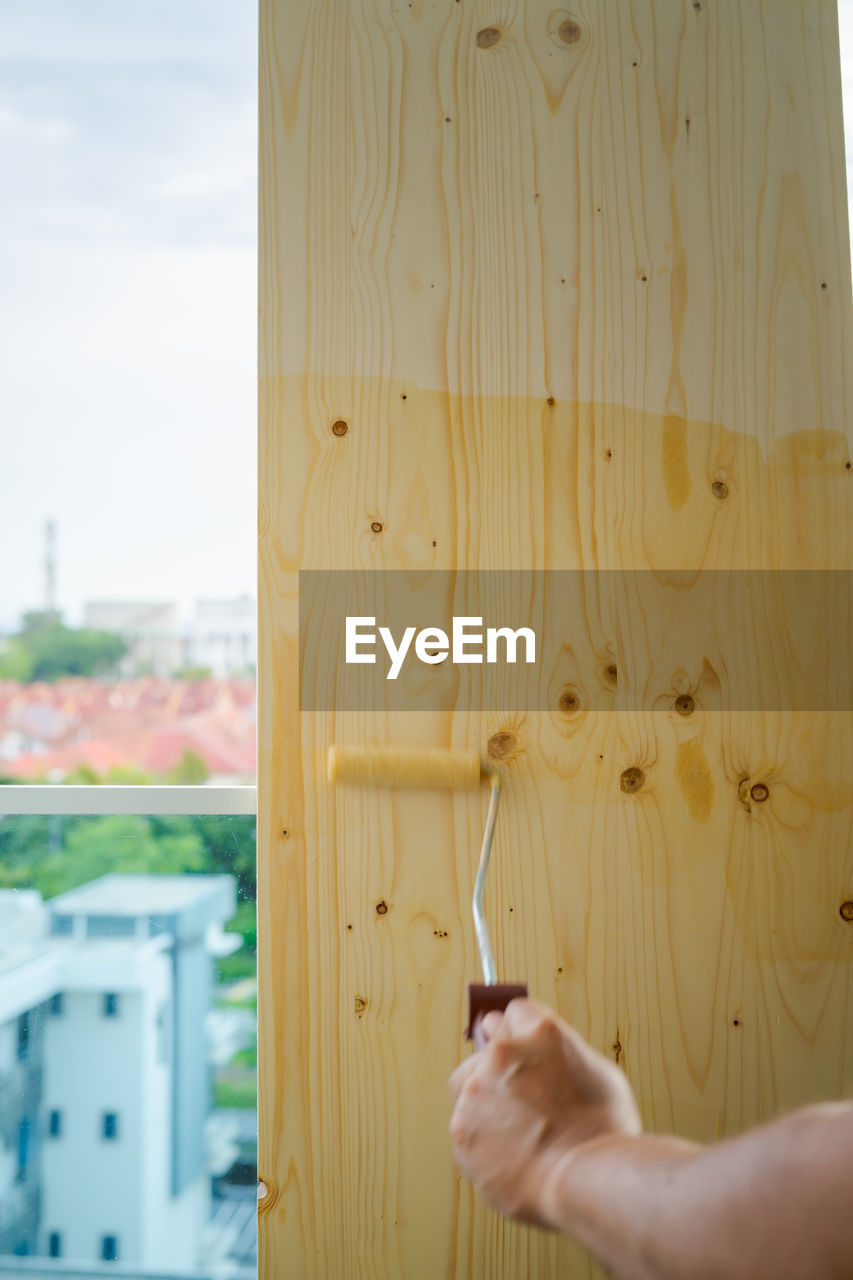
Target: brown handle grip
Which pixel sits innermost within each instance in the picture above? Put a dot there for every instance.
(484, 998)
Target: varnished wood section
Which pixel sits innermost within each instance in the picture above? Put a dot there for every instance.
(581, 296)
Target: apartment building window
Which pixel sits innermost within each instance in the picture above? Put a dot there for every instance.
(24, 1036)
(111, 1005)
(54, 1245)
(109, 1248)
(23, 1149)
(109, 1125)
(54, 1124)
(57, 1005)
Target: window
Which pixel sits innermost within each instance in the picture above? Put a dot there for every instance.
(109, 1248)
(24, 1036)
(24, 1129)
(109, 1125)
(109, 927)
(56, 1005)
(54, 1245)
(110, 1008)
(191, 240)
(54, 1124)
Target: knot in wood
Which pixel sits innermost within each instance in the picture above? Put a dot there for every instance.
(500, 745)
(720, 489)
(569, 31)
(684, 705)
(340, 428)
(382, 907)
(846, 911)
(488, 37)
(632, 779)
(569, 702)
(376, 526)
(759, 792)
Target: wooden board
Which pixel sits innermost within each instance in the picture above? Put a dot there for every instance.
(577, 283)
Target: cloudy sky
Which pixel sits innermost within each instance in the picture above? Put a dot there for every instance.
(127, 297)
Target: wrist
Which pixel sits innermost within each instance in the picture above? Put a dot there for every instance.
(565, 1183)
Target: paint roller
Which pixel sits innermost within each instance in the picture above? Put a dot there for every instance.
(440, 768)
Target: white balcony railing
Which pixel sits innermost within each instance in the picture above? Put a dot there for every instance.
(60, 799)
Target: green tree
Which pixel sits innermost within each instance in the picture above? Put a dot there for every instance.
(230, 844)
(190, 771)
(16, 662)
(121, 843)
(46, 649)
(83, 776)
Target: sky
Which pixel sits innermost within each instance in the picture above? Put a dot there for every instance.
(128, 143)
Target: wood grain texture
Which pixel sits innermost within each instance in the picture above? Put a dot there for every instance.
(558, 290)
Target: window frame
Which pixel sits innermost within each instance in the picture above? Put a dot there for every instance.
(19, 800)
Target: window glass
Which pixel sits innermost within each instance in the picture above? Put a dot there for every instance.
(127, 358)
(129, 1122)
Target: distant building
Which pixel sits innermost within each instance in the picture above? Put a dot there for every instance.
(149, 629)
(223, 636)
(104, 1080)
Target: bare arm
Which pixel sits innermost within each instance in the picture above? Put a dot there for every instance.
(548, 1130)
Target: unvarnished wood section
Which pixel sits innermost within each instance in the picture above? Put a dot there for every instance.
(576, 285)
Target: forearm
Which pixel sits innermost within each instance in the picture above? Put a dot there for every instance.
(774, 1202)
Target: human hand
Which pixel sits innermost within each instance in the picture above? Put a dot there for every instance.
(534, 1093)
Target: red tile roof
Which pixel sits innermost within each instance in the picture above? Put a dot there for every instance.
(145, 723)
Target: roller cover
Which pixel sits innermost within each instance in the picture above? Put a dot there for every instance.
(407, 768)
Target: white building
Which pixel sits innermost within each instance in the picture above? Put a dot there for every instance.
(104, 1080)
(222, 635)
(150, 629)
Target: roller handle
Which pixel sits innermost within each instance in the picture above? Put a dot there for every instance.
(483, 998)
(405, 768)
